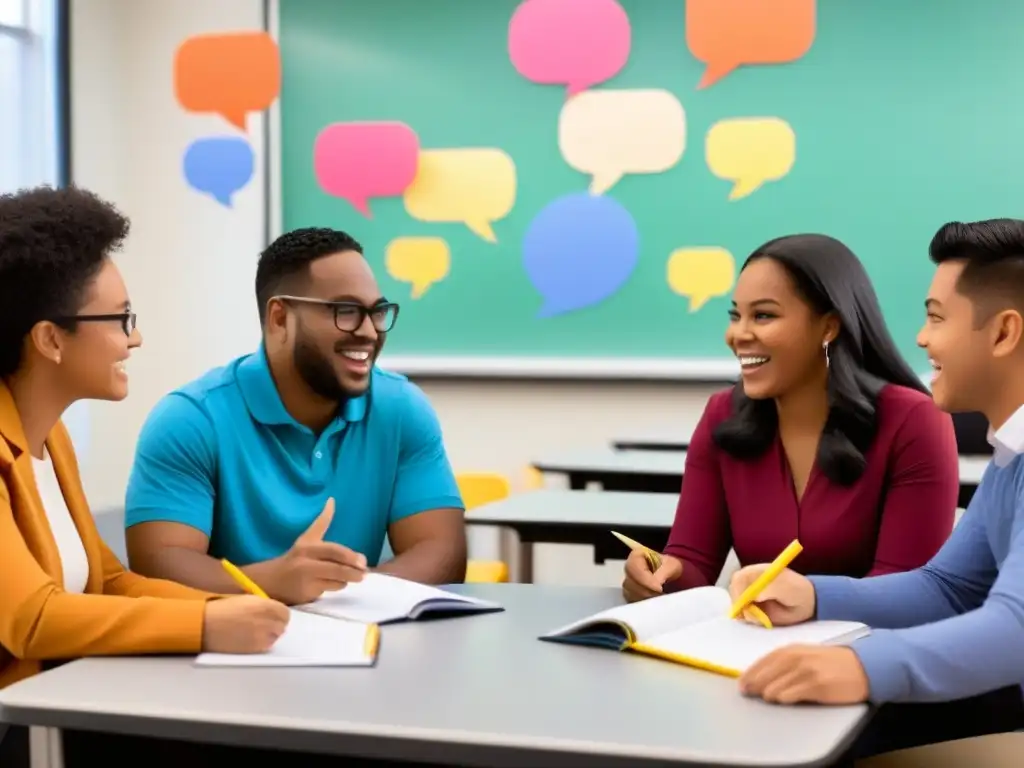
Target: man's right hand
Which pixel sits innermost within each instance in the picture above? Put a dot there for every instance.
(313, 566)
(789, 599)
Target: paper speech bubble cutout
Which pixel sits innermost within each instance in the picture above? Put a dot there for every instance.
(229, 74)
(700, 273)
(580, 250)
(726, 34)
(358, 161)
(474, 185)
(609, 133)
(750, 151)
(219, 166)
(575, 43)
(419, 261)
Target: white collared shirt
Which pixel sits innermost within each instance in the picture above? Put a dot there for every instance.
(1008, 440)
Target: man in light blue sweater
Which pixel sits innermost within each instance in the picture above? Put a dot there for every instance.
(954, 628)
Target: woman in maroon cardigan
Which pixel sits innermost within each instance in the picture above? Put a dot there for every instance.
(829, 438)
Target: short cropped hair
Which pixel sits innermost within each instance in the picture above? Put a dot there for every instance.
(53, 243)
(289, 257)
(992, 252)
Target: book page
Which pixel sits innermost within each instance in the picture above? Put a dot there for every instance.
(379, 598)
(657, 615)
(736, 644)
(308, 641)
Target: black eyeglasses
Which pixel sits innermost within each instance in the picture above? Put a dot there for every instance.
(350, 315)
(127, 320)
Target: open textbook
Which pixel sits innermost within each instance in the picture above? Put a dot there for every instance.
(309, 641)
(380, 599)
(693, 628)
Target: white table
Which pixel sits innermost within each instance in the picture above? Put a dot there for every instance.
(471, 691)
(580, 517)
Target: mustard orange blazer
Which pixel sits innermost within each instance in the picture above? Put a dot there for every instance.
(119, 613)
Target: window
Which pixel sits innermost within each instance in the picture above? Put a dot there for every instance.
(31, 140)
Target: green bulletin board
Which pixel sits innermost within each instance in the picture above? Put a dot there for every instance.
(533, 183)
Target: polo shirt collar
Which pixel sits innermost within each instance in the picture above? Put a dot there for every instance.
(264, 402)
(1008, 440)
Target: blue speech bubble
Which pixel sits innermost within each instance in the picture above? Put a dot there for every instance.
(580, 250)
(219, 166)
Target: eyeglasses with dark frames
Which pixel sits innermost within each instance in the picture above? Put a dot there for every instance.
(127, 319)
(349, 316)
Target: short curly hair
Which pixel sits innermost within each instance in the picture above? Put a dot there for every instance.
(290, 255)
(53, 243)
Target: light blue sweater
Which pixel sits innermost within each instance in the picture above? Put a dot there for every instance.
(955, 627)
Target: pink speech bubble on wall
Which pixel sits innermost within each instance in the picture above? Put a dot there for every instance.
(361, 160)
(576, 43)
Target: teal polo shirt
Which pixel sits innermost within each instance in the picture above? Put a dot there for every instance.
(222, 455)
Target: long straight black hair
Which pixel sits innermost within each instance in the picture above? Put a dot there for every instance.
(862, 359)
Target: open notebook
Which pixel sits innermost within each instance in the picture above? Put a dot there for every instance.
(693, 628)
(309, 641)
(379, 599)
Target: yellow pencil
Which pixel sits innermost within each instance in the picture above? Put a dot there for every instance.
(653, 558)
(372, 640)
(247, 584)
(751, 593)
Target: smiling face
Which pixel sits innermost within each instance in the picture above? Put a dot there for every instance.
(775, 333)
(334, 362)
(958, 347)
(91, 359)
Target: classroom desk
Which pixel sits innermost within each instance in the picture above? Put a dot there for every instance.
(471, 691)
(653, 440)
(662, 471)
(552, 516)
(648, 471)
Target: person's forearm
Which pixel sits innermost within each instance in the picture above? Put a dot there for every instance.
(428, 562)
(893, 601)
(963, 656)
(199, 570)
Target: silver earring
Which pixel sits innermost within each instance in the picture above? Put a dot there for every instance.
(824, 346)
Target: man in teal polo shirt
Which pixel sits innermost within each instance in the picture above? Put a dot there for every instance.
(296, 461)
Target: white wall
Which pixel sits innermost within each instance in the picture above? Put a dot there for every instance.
(190, 266)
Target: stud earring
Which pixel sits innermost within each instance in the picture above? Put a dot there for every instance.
(824, 347)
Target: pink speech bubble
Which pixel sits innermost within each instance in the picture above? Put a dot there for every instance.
(357, 161)
(578, 43)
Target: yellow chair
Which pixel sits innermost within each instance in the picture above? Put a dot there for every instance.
(482, 488)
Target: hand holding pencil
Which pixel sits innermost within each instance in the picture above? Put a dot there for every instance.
(647, 571)
(787, 598)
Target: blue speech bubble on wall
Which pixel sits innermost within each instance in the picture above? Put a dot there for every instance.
(219, 166)
(580, 250)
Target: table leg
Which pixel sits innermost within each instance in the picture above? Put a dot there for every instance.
(45, 748)
(525, 564)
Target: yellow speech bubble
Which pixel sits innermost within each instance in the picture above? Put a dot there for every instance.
(419, 261)
(474, 186)
(750, 151)
(609, 133)
(700, 273)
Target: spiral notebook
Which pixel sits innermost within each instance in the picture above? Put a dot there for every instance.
(693, 628)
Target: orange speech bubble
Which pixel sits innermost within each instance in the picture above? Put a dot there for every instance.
(726, 34)
(229, 74)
